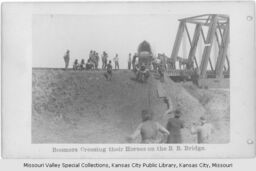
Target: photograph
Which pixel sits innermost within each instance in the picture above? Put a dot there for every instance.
(137, 78)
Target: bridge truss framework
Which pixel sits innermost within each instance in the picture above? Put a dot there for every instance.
(218, 27)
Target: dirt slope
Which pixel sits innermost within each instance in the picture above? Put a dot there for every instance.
(82, 107)
(194, 103)
(216, 103)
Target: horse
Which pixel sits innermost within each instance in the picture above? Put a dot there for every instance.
(185, 63)
(171, 63)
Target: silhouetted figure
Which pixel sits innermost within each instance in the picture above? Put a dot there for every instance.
(108, 74)
(129, 61)
(142, 73)
(82, 65)
(161, 72)
(134, 61)
(97, 58)
(66, 59)
(104, 59)
(75, 65)
(174, 127)
(116, 60)
(89, 65)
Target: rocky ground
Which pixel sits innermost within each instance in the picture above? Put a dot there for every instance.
(82, 107)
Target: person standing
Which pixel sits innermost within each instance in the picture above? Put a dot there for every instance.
(91, 54)
(133, 61)
(103, 60)
(96, 60)
(174, 126)
(129, 61)
(161, 72)
(66, 59)
(136, 61)
(116, 60)
(148, 129)
(108, 74)
(203, 131)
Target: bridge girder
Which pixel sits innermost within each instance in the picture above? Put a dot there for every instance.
(217, 24)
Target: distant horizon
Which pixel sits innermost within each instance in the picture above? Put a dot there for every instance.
(121, 34)
(53, 35)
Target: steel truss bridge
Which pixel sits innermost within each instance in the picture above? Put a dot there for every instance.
(217, 28)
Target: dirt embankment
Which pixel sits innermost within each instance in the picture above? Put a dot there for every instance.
(82, 107)
(216, 103)
(194, 103)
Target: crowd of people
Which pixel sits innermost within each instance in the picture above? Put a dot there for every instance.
(92, 62)
(148, 129)
(160, 63)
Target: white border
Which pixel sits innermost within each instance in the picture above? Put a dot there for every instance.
(16, 104)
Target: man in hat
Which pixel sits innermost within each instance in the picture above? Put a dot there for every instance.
(174, 127)
(203, 131)
(148, 129)
(66, 59)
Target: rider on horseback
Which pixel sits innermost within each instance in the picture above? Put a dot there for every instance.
(142, 73)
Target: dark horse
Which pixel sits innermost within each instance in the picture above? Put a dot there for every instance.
(188, 63)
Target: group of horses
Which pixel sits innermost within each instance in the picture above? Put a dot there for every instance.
(170, 63)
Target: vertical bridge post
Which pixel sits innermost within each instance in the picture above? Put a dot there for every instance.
(207, 49)
(193, 48)
(222, 52)
(178, 39)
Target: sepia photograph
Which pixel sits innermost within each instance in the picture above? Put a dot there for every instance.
(128, 80)
(137, 78)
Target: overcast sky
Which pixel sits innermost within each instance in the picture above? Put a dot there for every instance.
(54, 34)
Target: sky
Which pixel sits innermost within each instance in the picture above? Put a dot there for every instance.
(121, 34)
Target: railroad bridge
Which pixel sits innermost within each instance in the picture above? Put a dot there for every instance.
(212, 31)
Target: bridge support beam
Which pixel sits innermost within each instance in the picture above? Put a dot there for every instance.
(193, 48)
(222, 53)
(208, 47)
(178, 39)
